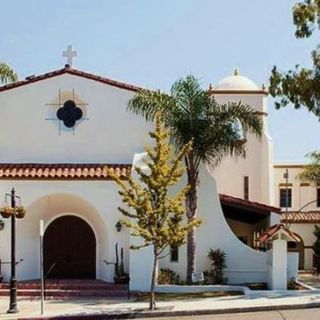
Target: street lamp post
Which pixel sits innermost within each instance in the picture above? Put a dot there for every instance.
(13, 211)
(13, 279)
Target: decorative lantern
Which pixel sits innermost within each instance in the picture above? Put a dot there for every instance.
(20, 212)
(6, 212)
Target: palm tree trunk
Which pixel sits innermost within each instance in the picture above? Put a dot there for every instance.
(152, 303)
(191, 254)
(191, 211)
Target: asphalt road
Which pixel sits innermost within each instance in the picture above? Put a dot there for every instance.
(302, 314)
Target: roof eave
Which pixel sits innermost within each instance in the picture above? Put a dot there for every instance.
(71, 71)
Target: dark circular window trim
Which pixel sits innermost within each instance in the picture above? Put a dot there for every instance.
(69, 113)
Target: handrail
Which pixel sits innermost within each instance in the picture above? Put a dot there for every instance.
(50, 269)
(45, 277)
(8, 262)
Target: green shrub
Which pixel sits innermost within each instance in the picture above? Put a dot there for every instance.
(316, 244)
(215, 274)
(168, 276)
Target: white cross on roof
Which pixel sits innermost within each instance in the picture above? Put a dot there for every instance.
(69, 54)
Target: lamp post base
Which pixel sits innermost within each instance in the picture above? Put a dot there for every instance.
(13, 296)
(14, 310)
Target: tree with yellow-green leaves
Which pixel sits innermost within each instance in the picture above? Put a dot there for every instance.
(7, 74)
(153, 211)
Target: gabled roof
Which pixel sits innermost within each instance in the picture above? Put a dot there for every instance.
(61, 171)
(248, 205)
(300, 217)
(68, 70)
(279, 231)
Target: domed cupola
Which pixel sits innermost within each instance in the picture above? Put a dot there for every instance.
(236, 82)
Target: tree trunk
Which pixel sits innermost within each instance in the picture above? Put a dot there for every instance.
(191, 254)
(191, 211)
(152, 304)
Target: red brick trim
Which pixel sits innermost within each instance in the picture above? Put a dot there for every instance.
(300, 217)
(61, 171)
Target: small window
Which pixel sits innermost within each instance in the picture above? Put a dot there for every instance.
(174, 254)
(318, 197)
(286, 198)
(246, 188)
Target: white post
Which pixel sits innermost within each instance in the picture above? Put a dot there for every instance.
(279, 265)
(41, 264)
(140, 261)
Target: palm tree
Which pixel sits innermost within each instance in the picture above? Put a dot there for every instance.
(7, 74)
(215, 130)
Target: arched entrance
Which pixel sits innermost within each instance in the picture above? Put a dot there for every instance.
(69, 247)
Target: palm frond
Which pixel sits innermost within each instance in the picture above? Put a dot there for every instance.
(248, 117)
(191, 114)
(148, 103)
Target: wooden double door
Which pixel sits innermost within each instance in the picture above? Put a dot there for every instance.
(69, 248)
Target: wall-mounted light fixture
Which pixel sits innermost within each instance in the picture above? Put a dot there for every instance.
(118, 226)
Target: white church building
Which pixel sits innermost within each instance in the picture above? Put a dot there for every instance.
(59, 130)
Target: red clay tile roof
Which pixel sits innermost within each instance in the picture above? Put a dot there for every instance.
(300, 217)
(69, 70)
(61, 171)
(247, 205)
(277, 228)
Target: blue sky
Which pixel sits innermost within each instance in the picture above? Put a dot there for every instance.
(152, 43)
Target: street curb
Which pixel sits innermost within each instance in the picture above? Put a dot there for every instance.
(180, 313)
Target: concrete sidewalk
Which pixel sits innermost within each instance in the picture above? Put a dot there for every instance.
(100, 308)
(310, 279)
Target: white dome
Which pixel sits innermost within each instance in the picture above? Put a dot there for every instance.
(236, 83)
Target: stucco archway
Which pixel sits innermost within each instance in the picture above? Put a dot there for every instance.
(49, 208)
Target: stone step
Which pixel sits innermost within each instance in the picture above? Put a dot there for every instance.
(67, 288)
(67, 293)
(63, 286)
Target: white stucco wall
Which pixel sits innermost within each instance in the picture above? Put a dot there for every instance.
(94, 202)
(278, 275)
(243, 263)
(110, 134)
(258, 162)
(302, 194)
(292, 267)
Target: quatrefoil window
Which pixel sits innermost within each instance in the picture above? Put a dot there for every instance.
(69, 113)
